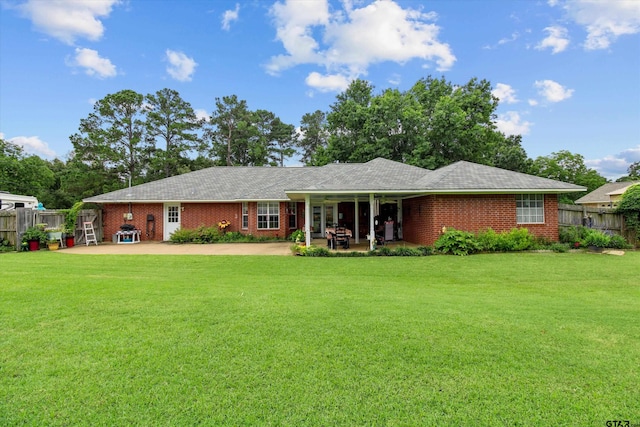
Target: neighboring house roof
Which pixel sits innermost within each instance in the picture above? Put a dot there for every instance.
(243, 183)
(603, 194)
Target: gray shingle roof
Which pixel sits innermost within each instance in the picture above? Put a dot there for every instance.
(601, 194)
(236, 183)
(467, 176)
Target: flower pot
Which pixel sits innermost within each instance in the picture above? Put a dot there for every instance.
(69, 241)
(34, 245)
(53, 246)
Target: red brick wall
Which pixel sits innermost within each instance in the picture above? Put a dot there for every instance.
(112, 218)
(425, 217)
(194, 215)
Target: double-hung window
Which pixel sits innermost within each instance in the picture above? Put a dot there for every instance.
(530, 208)
(268, 215)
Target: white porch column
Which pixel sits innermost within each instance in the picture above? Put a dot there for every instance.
(357, 223)
(372, 229)
(307, 219)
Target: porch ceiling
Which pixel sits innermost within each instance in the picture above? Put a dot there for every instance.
(328, 197)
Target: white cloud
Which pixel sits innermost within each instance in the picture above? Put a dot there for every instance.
(510, 123)
(67, 20)
(230, 16)
(181, 67)
(604, 21)
(33, 145)
(505, 93)
(327, 83)
(553, 91)
(556, 39)
(92, 63)
(348, 41)
(615, 166)
(201, 114)
(532, 102)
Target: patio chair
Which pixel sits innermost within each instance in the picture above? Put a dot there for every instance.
(342, 238)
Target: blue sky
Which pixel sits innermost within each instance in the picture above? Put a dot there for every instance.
(567, 72)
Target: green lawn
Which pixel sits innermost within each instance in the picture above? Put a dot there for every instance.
(535, 339)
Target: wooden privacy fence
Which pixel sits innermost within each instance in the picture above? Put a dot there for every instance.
(14, 223)
(604, 220)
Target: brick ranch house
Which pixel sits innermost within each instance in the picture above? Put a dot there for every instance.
(270, 201)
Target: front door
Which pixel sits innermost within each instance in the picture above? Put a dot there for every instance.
(171, 219)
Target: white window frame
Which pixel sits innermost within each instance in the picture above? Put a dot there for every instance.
(245, 215)
(530, 208)
(270, 211)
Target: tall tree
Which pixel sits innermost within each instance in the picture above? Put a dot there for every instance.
(25, 175)
(283, 138)
(113, 135)
(568, 167)
(231, 130)
(312, 136)
(346, 122)
(433, 124)
(172, 123)
(458, 122)
(633, 173)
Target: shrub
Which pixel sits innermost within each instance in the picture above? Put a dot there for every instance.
(597, 238)
(573, 234)
(559, 247)
(457, 242)
(618, 242)
(425, 250)
(406, 251)
(519, 239)
(315, 251)
(297, 236)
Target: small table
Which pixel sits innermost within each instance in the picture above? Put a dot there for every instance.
(126, 237)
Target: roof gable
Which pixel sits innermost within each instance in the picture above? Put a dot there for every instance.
(601, 194)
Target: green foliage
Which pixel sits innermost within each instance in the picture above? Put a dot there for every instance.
(34, 233)
(71, 217)
(573, 235)
(597, 238)
(619, 242)
(578, 237)
(456, 242)
(297, 236)
(6, 246)
(214, 235)
(629, 207)
(567, 167)
(433, 124)
(559, 247)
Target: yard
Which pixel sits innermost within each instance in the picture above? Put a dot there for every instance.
(508, 339)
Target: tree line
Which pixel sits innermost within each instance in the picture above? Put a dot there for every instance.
(130, 138)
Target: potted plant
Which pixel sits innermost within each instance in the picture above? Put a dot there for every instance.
(596, 241)
(34, 236)
(70, 221)
(53, 244)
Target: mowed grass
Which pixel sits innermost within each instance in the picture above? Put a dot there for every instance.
(505, 339)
